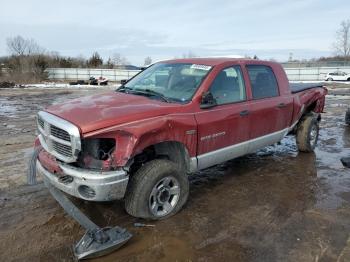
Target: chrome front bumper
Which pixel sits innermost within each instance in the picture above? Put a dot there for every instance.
(86, 184)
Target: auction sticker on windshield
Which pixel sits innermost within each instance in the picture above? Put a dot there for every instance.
(200, 67)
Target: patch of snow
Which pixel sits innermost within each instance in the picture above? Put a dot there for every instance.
(308, 81)
(324, 82)
(338, 97)
(65, 85)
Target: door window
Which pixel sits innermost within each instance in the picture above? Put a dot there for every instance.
(228, 86)
(263, 81)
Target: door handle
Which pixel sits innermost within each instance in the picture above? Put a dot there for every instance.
(281, 105)
(244, 113)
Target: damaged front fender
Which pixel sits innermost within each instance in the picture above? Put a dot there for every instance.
(132, 138)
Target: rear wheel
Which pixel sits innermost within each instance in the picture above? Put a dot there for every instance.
(157, 190)
(329, 79)
(307, 133)
(347, 117)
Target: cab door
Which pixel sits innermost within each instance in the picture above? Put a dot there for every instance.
(223, 128)
(270, 113)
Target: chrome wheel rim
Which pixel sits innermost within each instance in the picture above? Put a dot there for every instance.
(313, 135)
(164, 196)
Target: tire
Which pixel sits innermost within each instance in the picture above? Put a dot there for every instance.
(307, 133)
(156, 191)
(347, 117)
(329, 79)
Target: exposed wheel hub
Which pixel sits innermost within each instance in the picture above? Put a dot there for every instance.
(164, 196)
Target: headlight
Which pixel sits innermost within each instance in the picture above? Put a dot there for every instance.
(97, 153)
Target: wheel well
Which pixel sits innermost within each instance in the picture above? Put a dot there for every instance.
(171, 150)
(310, 109)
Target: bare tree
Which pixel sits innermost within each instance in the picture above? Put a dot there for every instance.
(342, 42)
(95, 60)
(17, 45)
(148, 61)
(109, 63)
(20, 46)
(33, 48)
(119, 60)
(79, 61)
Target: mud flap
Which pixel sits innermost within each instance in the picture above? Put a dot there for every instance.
(97, 241)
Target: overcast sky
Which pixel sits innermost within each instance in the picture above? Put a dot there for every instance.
(167, 29)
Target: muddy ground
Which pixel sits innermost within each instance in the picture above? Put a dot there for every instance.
(275, 205)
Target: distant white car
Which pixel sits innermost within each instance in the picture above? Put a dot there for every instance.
(337, 76)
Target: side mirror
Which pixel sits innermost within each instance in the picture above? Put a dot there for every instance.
(123, 81)
(208, 100)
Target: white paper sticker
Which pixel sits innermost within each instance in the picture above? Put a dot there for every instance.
(201, 67)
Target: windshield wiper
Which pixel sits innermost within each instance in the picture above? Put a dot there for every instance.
(147, 92)
(155, 93)
(123, 89)
(152, 93)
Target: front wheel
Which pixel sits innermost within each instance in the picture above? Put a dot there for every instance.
(307, 133)
(329, 79)
(157, 190)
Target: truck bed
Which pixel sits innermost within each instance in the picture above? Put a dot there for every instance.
(299, 87)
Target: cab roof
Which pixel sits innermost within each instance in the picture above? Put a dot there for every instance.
(210, 61)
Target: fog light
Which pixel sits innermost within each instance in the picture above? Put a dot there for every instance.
(65, 179)
(86, 191)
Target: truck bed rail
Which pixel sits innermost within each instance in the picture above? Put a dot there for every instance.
(299, 87)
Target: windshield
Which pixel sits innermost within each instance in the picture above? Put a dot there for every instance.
(171, 82)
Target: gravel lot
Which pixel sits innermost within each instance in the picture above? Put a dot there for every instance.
(275, 205)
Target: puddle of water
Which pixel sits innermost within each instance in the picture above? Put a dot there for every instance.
(256, 207)
(334, 143)
(6, 109)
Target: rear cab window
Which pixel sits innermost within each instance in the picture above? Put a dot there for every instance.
(263, 81)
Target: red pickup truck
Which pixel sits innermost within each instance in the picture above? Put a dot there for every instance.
(140, 142)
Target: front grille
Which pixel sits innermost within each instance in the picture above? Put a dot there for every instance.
(59, 133)
(41, 122)
(59, 137)
(62, 149)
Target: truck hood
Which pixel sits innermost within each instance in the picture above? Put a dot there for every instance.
(99, 111)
